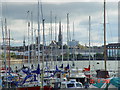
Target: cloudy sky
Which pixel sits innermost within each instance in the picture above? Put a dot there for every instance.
(17, 17)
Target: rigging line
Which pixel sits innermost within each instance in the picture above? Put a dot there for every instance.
(1, 11)
(98, 27)
(5, 9)
(41, 8)
(109, 25)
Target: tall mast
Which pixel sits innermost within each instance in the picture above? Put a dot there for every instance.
(89, 37)
(68, 36)
(38, 38)
(73, 64)
(3, 62)
(51, 37)
(62, 43)
(35, 46)
(9, 50)
(28, 40)
(56, 40)
(42, 78)
(105, 54)
(5, 48)
(23, 51)
(51, 23)
(73, 32)
(32, 36)
(55, 29)
(38, 34)
(5, 42)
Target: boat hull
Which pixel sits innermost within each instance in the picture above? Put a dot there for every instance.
(29, 88)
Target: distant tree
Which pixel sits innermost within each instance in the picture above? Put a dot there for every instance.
(65, 46)
(65, 56)
(99, 55)
(12, 55)
(2, 55)
(79, 56)
(81, 46)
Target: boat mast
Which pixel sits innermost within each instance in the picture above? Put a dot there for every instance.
(35, 47)
(28, 40)
(42, 77)
(5, 43)
(3, 62)
(73, 46)
(51, 38)
(23, 51)
(73, 32)
(56, 40)
(43, 47)
(9, 50)
(62, 44)
(89, 37)
(38, 35)
(32, 37)
(68, 37)
(105, 53)
(5, 48)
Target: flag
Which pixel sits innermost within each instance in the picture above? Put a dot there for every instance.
(87, 69)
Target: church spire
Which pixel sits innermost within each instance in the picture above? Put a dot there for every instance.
(60, 35)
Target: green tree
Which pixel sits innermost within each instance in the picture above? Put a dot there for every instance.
(12, 55)
(81, 46)
(79, 56)
(99, 55)
(65, 46)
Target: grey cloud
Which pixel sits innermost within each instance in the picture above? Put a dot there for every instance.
(78, 10)
(19, 10)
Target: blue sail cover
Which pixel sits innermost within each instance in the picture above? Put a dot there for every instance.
(56, 68)
(16, 83)
(35, 78)
(68, 67)
(37, 71)
(26, 70)
(32, 67)
(28, 76)
(9, 70)
(73, 64)
(61, 66)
